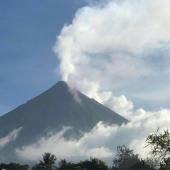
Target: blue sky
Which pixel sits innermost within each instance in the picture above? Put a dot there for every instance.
(28, 31)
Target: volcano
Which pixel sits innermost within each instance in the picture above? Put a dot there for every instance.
(58, 107)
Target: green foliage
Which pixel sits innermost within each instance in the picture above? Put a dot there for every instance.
(92, 164)
(141, 165)
(160, 143)
(165, 165)
(48, 162)
(126, 160)
(14, 166)
(64, 165)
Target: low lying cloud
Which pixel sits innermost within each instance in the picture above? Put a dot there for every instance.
(72, 149)
(4, 141)
(102, 140)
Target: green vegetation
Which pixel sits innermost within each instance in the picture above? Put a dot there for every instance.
(47, 163)
(160, 143)
(125, 159)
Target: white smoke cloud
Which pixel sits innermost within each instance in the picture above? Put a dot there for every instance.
(4, 141)
(108, 44)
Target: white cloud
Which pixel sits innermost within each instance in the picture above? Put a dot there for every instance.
(108, 45)
(4, 141)
(121, 105)
(102, 140)
(72, 149)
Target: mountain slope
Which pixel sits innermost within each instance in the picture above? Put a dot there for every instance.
(53, 109)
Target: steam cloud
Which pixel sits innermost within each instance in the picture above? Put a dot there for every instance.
(113, 45)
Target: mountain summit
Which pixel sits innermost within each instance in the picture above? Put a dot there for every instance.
(51, 111)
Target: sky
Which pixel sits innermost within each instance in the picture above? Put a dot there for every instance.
(28, 31)
(115, 51)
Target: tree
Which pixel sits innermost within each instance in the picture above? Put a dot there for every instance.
(48, 162)
(125, 158)
(93, 164)
(14, 166)
(160, 144)
(64, 165)
(141, 165)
